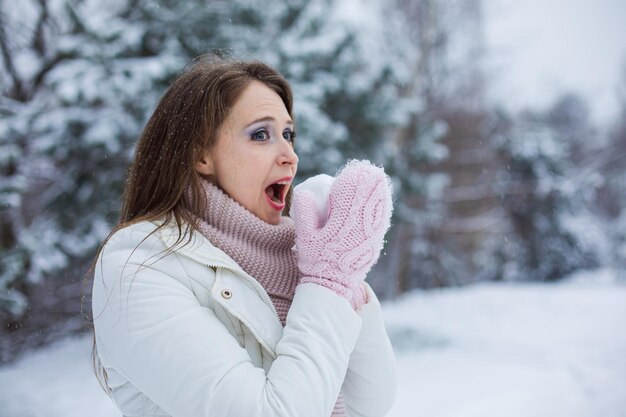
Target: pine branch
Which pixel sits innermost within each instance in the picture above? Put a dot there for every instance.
(17, 90)
(39, 42)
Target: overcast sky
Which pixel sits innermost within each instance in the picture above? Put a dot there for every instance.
(539, 48)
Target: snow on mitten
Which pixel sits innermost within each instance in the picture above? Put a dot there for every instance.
(339, 253)
(319, 186)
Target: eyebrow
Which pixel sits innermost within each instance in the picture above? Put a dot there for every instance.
(268, 119)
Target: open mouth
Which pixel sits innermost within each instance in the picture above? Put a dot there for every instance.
(277, 191)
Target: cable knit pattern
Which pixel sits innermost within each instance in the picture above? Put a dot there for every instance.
(339, 254)
(263, 250)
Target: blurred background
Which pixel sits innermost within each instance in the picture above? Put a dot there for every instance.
(502, 124)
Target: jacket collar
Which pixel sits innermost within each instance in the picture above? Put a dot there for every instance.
(197, 247)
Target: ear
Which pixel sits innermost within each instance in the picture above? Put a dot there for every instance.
(205, 165)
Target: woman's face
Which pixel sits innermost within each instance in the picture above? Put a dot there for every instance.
(253, 160)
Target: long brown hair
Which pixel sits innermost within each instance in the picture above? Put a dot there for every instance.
(184, 125)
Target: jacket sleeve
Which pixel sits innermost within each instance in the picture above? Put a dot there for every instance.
(370, 385)
(150, 327)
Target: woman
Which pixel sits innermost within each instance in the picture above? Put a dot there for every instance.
(192, 288)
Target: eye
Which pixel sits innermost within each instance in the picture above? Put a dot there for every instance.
(289, 135)
(260, 135)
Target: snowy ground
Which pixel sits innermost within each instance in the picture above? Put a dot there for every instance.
(512, 350)
(526, 350)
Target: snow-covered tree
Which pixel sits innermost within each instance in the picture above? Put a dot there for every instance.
(546, 199)
(79, 79)
(441, 41)
(612, 199)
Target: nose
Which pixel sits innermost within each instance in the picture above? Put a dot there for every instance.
(287, 155)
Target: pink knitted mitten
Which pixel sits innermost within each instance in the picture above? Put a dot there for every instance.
(339, 254)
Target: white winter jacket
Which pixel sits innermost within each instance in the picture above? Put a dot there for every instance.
(187, 333)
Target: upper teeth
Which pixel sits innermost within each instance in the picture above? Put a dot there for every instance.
(282, 182)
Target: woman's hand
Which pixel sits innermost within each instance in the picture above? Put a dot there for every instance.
(338, 253)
